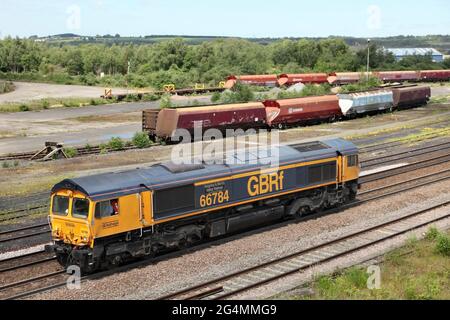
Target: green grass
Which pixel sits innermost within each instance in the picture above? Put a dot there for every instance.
(36, 105)
(418, 271)
(16, 188)
(443, 99)
(424, 133)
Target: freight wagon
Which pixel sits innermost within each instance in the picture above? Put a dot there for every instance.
(338, 78)
(398, 76)
(342, 78)
(253, 80)
(409, 97)
(306, 78)
(164, 123)
(104, 220)
(365, 102)
(281, 113)
(435, 75)
(289, 112)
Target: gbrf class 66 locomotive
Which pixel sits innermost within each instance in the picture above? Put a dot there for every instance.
(106, 219)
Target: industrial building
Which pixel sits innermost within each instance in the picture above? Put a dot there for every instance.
(401, 53)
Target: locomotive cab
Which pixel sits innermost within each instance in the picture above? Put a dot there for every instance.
(70, 219)
(70, 213)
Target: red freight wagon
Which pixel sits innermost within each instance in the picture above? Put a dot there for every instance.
(233, 116)
(291, 79)
(254, 80)
(435, 75)
(393, 76)
(339, 78)
(411, 96)
(282, 113)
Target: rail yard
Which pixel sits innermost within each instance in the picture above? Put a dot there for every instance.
(224, 176)
(390, 169)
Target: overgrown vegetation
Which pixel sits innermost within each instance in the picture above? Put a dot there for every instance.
(141, 140)
(116, 144)
(35, 105)
(70, 152)
(418, 271)
(308, 91)
(166, 102)
(183, 64)
(6, 86)
(363, 85)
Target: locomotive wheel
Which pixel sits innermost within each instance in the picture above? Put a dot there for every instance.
(63, 259)
(304, 211)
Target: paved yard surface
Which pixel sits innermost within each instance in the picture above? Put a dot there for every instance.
(26, 91)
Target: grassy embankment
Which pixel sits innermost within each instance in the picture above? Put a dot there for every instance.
(418, 271)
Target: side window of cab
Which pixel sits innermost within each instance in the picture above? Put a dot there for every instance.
(352, 161)
(106, 209)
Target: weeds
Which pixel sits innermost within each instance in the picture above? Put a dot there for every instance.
(70, 152)
(116, 144)
(141, 140)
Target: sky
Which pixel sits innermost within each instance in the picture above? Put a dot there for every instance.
(237, 18)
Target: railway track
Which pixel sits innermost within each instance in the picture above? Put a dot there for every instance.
(37, 202)
(27, 260)
(385, 145)
(245, 280)
(25, 287)
(51, 281)
(42, 228)
(94, 150)
(368, 163)
(23, 233)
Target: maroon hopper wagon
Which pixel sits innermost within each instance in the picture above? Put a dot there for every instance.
(233, 116)
(282, 113)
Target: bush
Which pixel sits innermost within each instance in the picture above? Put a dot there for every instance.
(45, 104)
(103, 148)
(116, 144)
(150, 97)
(70, 152)
(362, 85)
(166, 102)
(432, 234)
(216, 97)
(443, 245)
(5, 165)
(308, 91)
(6, 86)
(141, 140)
(24, 108)
(69, 104)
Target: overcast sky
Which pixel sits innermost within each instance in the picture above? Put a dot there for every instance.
(251, 18)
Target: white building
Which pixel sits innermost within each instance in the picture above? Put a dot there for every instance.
(401, 53)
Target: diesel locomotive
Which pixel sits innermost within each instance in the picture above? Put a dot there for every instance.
(104, 220)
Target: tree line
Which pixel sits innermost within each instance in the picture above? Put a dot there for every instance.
(175, 61)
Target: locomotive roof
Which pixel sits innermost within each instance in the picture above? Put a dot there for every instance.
(169, 175)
